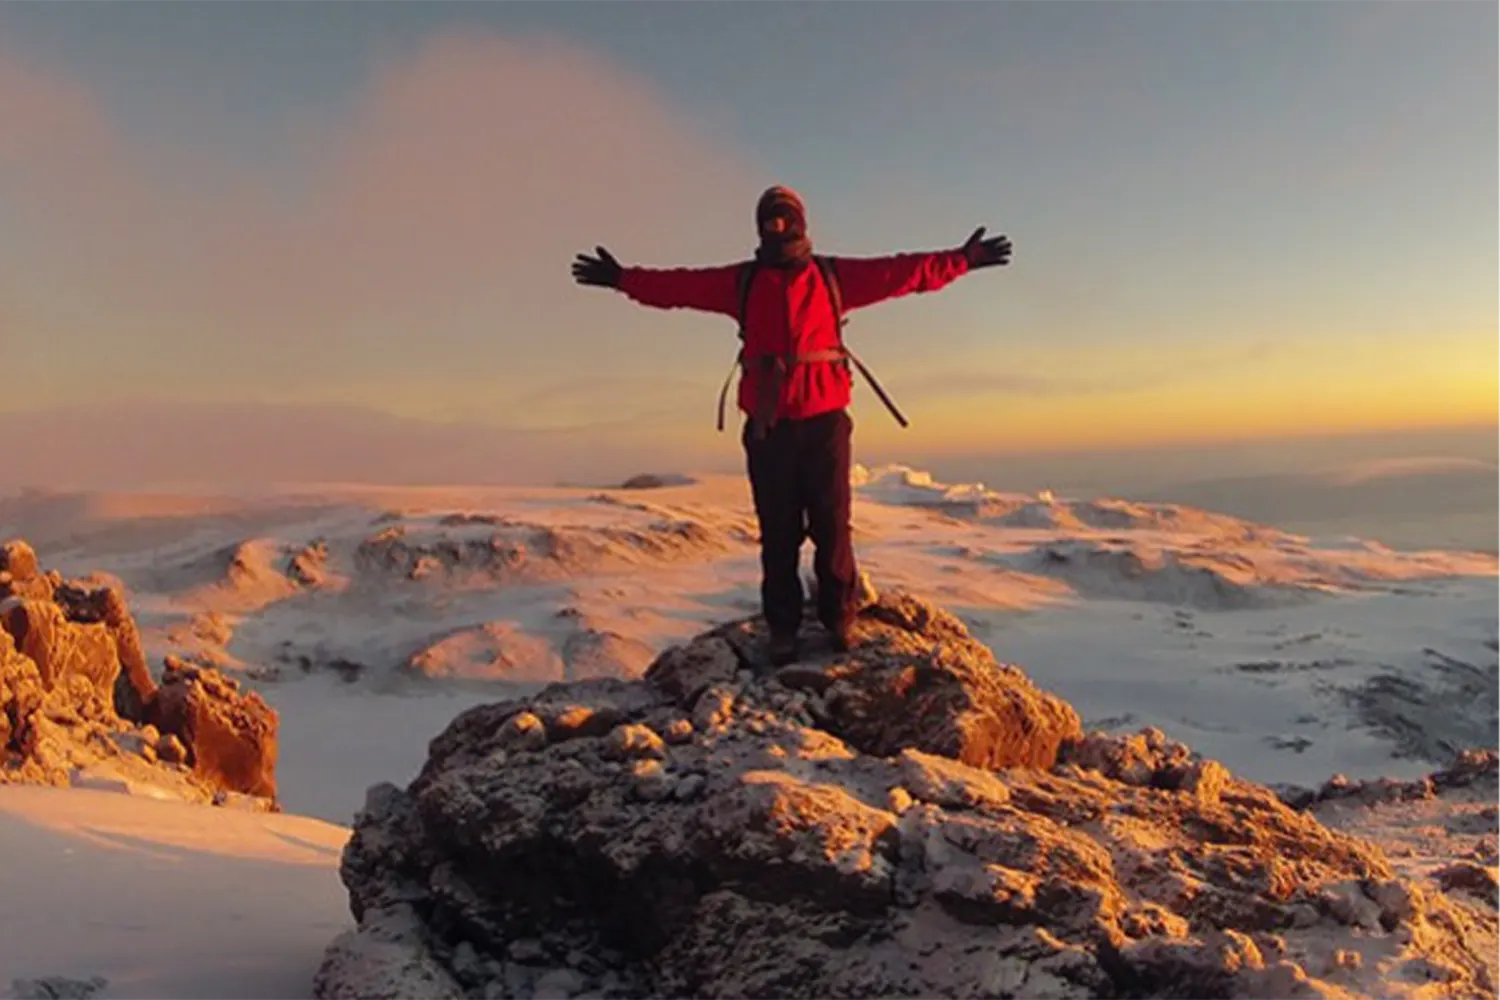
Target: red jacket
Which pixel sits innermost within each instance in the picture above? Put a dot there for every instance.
(789, 313)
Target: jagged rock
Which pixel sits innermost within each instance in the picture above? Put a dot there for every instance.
(954, 699)
(1148, 759)
(765, 851)
(135, 688)
(229, 734)
(21, 691)
(1142, 759)
(47, 732)
(387, 959)
(1372, 792)
(19, 560)
(70, 715)
(1465, 876)
(62, 649)
(58, 988)
(1467, 769)
(20, 573)
(928, 686)
(685, 672)
(70, 735)
(169, 750)
(309, 566)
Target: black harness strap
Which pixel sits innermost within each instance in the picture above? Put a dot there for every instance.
(743, 279)
(829, 271)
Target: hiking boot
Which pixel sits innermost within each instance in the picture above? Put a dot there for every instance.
(783, 650)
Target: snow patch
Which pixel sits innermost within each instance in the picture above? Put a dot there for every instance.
(164, 899)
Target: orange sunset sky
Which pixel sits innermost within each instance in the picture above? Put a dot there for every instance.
(277, 227)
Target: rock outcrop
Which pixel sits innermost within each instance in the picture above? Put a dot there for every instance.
(65, 732)
(79, 704)
(228, 734)
(58, 988)
(21, 574)
(135, 688)
(309, 565)
(63, 651)
(909, 819)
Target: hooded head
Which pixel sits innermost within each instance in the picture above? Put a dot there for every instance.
(781, 221)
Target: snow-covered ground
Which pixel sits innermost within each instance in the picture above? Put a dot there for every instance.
(164, 899)
(370, 616)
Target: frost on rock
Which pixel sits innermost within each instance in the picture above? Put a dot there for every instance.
(79, 705)
(907, 819)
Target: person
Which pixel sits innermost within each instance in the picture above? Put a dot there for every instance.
(795, 387)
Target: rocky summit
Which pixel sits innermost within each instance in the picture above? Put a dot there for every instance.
(907, 819)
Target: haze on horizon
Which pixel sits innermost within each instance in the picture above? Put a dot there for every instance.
(261, 242)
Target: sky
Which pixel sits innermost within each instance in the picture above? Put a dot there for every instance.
(332, 240)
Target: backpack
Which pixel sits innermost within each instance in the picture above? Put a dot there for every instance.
(779, 367)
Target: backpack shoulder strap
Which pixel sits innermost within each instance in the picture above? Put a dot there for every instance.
(743, 281)
(830, 273)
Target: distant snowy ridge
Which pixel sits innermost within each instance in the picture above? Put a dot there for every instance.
(1394, 468)
(333, 601)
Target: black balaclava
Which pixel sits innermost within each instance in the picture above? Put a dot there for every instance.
(781, 221)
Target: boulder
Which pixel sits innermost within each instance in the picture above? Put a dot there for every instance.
(685, 672)
(799, 838)
(229, 733)
(19, 560)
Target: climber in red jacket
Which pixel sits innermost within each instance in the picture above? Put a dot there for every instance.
(794, 386)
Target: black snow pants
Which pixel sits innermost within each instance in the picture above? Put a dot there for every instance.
(799, 477)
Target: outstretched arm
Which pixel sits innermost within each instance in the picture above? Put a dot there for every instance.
(710, 289)
(868, 280)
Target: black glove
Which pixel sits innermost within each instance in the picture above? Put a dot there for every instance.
(603, 270)
(982, 252)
